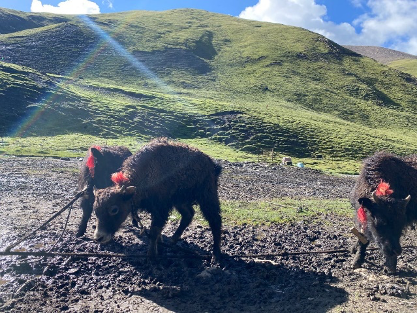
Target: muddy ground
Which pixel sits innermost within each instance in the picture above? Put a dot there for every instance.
(32, 189)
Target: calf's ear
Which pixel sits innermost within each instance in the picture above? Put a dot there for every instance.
(376, 198)
(405, 202)
(128, 192)
(130, 189)
(95, 152)
(366, 202)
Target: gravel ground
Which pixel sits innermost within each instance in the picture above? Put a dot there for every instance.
(32, 189)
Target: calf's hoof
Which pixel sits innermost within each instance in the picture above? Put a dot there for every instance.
(356, 265)
(80, 232)
(216, 258)
(389, 271)
(357, 262)
(390, 264)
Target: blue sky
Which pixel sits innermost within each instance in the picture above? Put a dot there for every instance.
(387, 23)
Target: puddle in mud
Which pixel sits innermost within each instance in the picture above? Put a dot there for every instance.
(22, 249)
(39, 246)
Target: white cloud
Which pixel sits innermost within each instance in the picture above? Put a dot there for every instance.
(357, 3)
(67, 7)
(109, 3)
(388, 23)
(289, 12)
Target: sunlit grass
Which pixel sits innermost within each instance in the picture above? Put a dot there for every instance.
(283, 210)
(277, 211)
(405, 65)
(76, 145)
(71, 145)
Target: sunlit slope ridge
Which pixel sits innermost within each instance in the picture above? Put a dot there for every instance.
(14, 21)
(253, 86)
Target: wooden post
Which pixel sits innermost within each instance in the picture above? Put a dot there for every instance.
(360, 236)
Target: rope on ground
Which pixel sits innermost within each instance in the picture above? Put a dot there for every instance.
(63, 231)
(76, 197)
(195, 255)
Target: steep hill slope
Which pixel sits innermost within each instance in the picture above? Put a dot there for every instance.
(191, 74)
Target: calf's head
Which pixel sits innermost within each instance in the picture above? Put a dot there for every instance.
(111, 206)
(98, 165)
(388, 219)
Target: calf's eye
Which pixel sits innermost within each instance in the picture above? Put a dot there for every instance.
(114, 210)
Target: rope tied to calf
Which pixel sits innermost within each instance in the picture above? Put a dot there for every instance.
(76, 197)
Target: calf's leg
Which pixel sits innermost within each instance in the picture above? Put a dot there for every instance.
(187, 213)
(158, 220)
(360, 250)
(87, 206)
(212, 212)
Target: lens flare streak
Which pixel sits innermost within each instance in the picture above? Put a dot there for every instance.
(124, 53)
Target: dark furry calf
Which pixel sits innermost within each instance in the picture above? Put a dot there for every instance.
(95, 171)
(160, 176)
(385, 197)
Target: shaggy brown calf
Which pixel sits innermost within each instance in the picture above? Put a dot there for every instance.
(95, 171)
(385, 196)
(160, 176)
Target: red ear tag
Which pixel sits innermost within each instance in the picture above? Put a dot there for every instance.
(90, 161)
(119, 178)
(90, 164)
(361, 215)
(383, 189)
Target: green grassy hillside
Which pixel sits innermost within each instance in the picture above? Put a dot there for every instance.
(238, 88)
(406, 65)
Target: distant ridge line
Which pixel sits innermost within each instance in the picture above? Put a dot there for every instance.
(380, 54)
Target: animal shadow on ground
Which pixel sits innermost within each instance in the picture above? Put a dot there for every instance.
(190, 284)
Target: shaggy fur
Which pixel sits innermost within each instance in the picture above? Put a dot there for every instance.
(387, 191)
(95, 171)
(162, 175)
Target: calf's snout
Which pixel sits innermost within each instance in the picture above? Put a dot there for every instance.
(102, 237)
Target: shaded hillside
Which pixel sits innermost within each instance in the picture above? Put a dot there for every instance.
(15, 21)
(191, 74)
(50, 49)
(20, 88)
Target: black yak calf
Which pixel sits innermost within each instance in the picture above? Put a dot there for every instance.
(385, 197)
(160, 176)
(95, 171)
